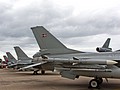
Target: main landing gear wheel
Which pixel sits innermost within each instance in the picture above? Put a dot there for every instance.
(35, 72)
(42, 72)
(94, 83)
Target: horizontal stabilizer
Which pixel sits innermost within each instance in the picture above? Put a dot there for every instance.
(33, 65)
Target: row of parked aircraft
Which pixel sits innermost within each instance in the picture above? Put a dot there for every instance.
(71, 64)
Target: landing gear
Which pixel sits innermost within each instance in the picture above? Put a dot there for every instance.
(100, 80)
(42, 72)
(35, 72)
(95, 83)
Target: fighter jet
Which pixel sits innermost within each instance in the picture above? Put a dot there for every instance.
(11, 61)
(22, 60)
(60, 48)
(72, 63)
(26, 61)
(6, 59)
(105, 47)
(2, 64)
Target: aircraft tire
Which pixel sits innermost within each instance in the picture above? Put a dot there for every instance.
(94, 83)
(42, 72)
(35, 73)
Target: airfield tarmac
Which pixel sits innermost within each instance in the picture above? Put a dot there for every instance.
(13, 80)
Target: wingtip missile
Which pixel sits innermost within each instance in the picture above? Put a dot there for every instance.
(88, 61)
(111, 62)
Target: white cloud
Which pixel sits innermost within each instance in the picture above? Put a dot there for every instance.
(79, 24)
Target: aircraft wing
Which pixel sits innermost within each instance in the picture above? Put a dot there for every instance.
(33, 65)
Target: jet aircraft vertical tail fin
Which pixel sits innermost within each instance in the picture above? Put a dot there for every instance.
(106, 44)
(105, 47)
(5, 58)
(48, 43)
(10, 57)
(20, 54)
